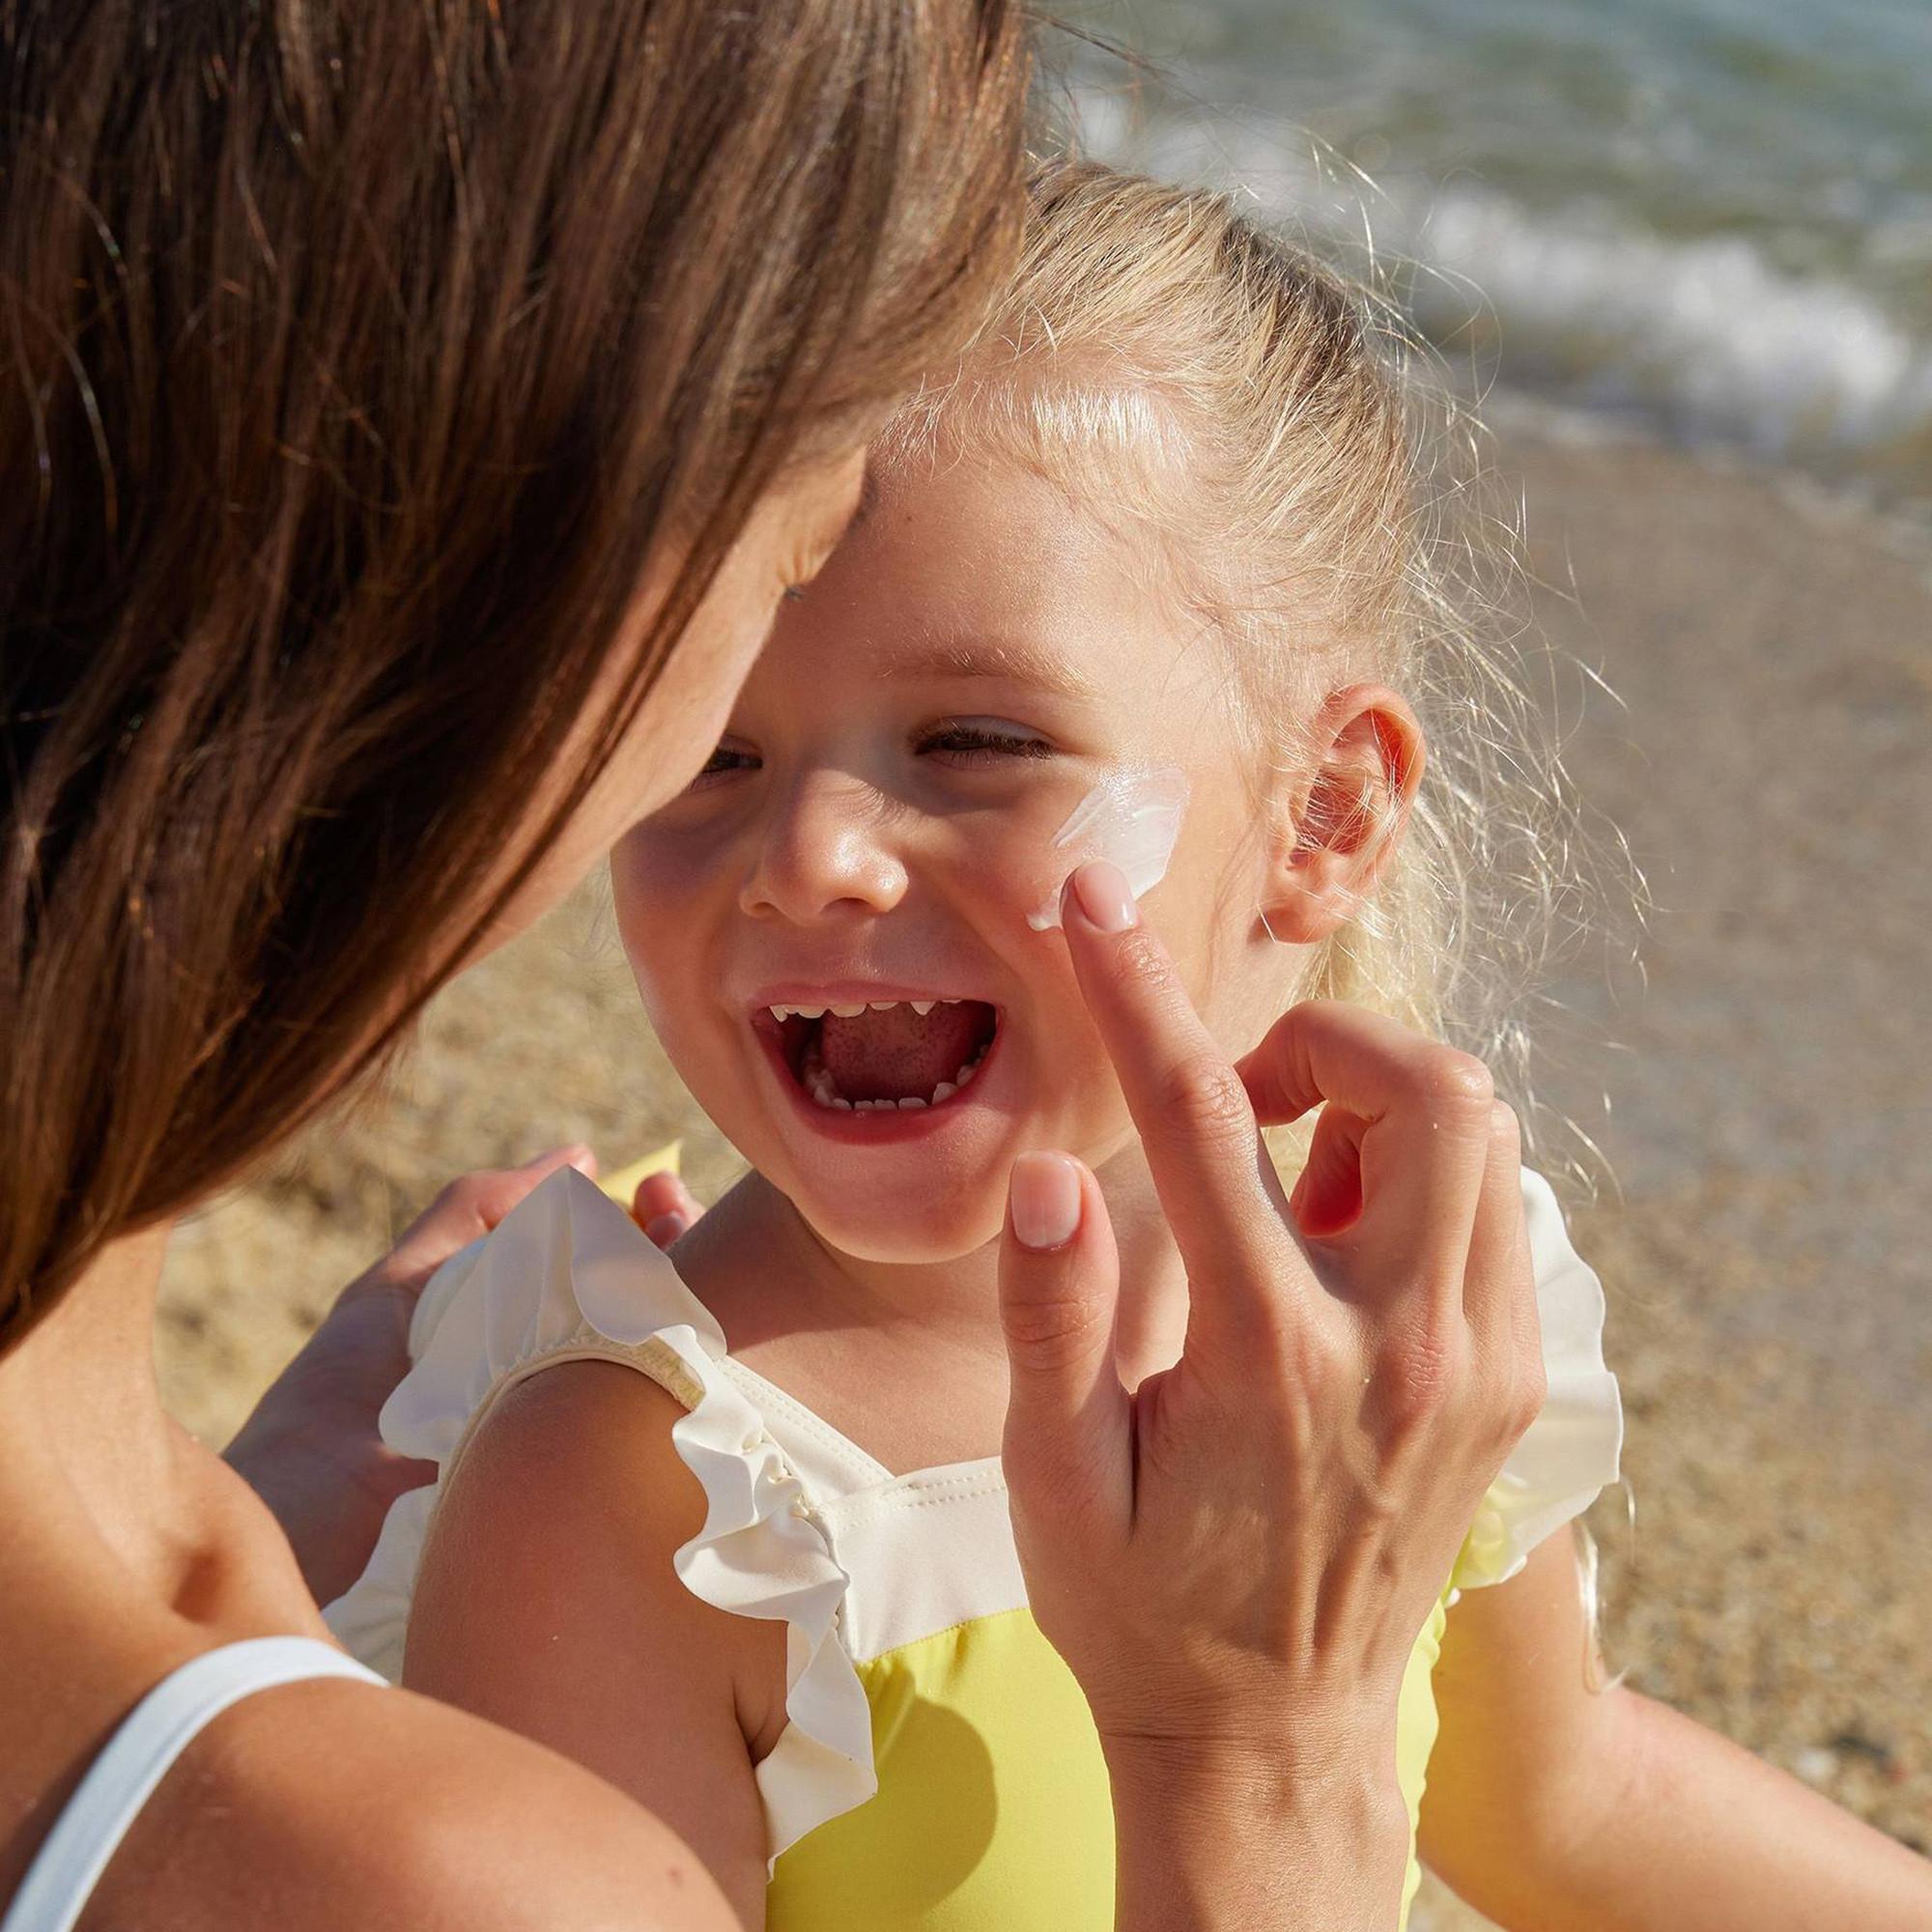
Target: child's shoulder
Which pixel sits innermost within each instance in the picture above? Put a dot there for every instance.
(565, 1335)
(555, 1437)
(571, 1513)
(600, 1469)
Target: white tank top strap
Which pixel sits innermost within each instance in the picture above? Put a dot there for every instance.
(136, 1759)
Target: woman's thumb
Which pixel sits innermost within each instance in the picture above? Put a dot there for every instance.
(1068, 1441)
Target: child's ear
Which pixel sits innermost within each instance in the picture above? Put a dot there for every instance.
(1341, 814)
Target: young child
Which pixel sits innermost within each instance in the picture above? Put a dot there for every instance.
(1164, 540)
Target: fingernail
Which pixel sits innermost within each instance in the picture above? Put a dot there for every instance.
(1045, 1200)
(583, 1161)
(664, 1229)
(1105, 897)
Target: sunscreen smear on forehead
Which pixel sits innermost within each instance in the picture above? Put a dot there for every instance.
(1131, 818)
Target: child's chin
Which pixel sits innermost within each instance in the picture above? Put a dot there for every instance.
(906, 1231)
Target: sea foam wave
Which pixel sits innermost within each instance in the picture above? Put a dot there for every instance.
(1704, 331)
(1701, 337)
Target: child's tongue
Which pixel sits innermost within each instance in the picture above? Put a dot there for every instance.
(898, 1054)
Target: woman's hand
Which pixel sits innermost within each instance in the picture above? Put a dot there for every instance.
(311, 1449)
(1236, 1558)
(663, 1206)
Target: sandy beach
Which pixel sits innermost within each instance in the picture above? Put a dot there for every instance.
(1765, 1259)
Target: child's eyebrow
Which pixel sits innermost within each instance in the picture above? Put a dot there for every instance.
(1011, 659)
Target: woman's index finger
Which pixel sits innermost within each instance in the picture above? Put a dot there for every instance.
(1217, 1186)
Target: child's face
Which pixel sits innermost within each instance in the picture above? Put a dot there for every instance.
(877, 825)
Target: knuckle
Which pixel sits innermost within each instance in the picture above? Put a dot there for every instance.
(1142, 963)
(1508, 1399)
(1335, 1017)
(1205, 1098)
(1279, 1369)
(1052, 1330)
(1458, 1084)
(1532, 1391)
(468, 1192)
(1417, 1377)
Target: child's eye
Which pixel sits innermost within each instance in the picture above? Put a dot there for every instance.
(722, 763)
(978, 741)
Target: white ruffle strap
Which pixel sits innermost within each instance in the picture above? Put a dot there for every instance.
(568, 1276)
(1569, 1453)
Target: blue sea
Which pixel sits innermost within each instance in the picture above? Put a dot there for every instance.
(1709, 218)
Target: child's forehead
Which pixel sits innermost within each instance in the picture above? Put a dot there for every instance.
(987, 528)
(983, 570)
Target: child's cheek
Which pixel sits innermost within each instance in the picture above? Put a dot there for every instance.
(993, 862)
(659, 886)
(1132, 818)
(1022, 855)
(1076, 1098)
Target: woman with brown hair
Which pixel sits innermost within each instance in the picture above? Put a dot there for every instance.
(412, 412)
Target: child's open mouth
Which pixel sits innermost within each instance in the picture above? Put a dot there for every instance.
(881, 1056)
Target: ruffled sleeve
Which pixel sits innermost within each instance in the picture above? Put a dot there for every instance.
(568, 1276)
(1569, 1453)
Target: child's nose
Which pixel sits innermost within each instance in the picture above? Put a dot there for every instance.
(826, 848)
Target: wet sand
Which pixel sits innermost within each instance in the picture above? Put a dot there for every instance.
(1770, 1300)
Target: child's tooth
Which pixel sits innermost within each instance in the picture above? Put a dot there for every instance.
(809, 1013)
(923, 1006)
(865, 1106)
(839, 1101)
(779, 1012)
(882, 1006)
(967, 1073)
(945, 1090)
(910, 1101)
(848, 1013)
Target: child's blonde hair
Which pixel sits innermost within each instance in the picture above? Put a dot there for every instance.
(1173, 363)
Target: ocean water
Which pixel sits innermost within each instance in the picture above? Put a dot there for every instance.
(1712, 218)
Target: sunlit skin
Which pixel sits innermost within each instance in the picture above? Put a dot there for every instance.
(877, 822)
(876, 825)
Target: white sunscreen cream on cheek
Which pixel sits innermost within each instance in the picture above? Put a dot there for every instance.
(1131, 818)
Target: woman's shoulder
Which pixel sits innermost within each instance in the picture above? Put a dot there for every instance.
(394, 1810)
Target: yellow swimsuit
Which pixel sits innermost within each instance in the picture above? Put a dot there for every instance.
(939, 1770)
